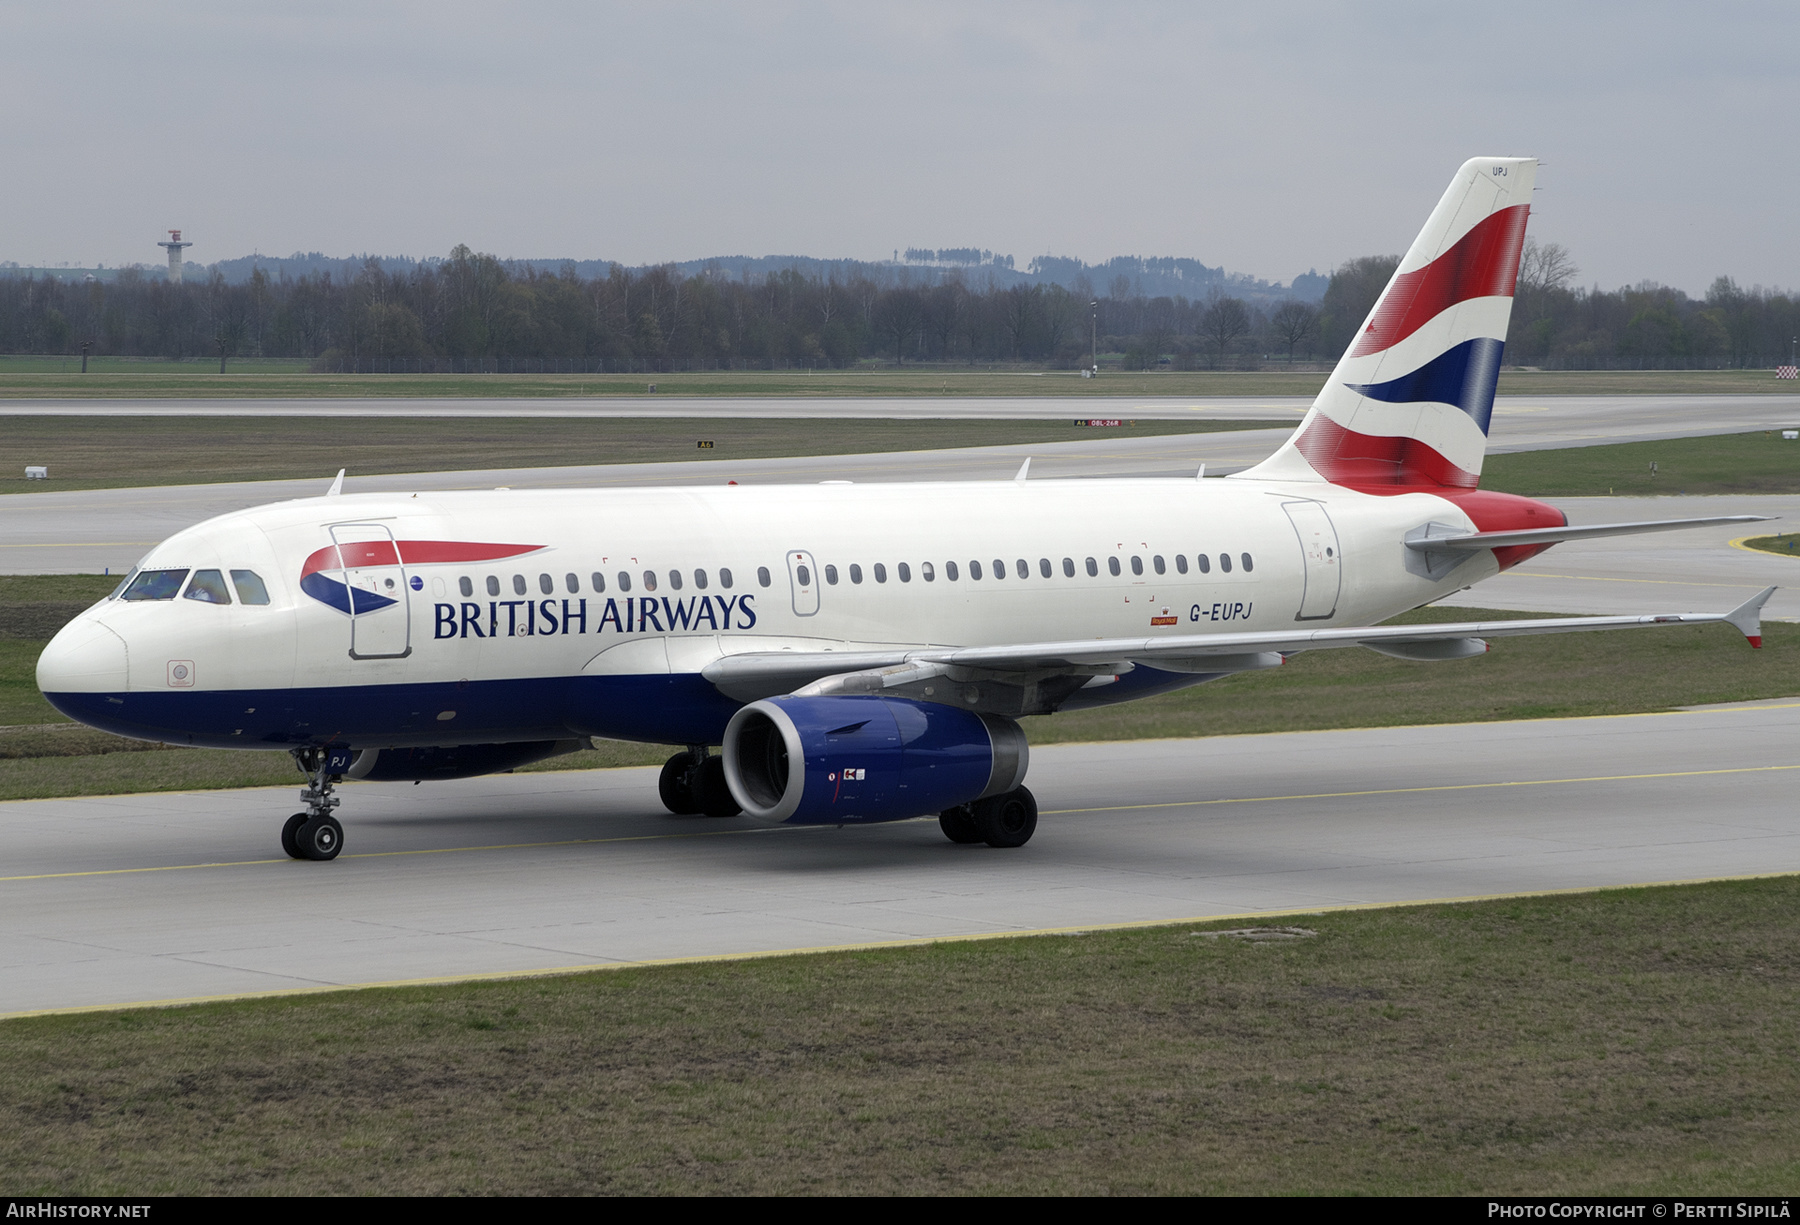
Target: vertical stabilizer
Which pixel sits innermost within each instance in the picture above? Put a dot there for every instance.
(1407, 406)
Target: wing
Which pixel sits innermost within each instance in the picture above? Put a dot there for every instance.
(1046, 668)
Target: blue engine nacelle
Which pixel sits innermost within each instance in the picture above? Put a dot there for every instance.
(831, 760)
(453, 761)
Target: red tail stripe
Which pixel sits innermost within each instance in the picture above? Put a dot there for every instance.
(1376, 464)
(1484, 263)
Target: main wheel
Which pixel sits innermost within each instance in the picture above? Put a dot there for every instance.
(958, 825)
(290, 831)
(321, 838)
(1008, 819)
(673, 788)
(712, 794)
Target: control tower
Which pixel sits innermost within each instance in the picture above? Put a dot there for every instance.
(174, 246)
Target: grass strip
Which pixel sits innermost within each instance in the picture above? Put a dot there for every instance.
(114, 452)
(41, 378)
(1785, 545)
(1759, 462)
(1625, 1042)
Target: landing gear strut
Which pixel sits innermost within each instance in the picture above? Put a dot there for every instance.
(1005, 820)
(315, 833)
(694, 782)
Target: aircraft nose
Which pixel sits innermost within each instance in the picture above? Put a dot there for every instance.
(86, 657)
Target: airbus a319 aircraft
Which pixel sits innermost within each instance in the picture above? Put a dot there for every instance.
(857, 653)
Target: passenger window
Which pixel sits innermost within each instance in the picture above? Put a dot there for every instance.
(250, 587)
(599, 582)
(155, 585)
(1180, 563)
(1225, 562)
(1137, 564)
(465, 586)
(880, 573)
(1022, 568)
(649, 580)
(1092, 569)
(493, 584)
(855, 573)
(1205, 563)
(546, 584)
(804, 575)
(208, 587)
(975, 570)
(999, 568)
(700, 579)
(1156, 563)
(725, 578)
(674, 580)
(950, 571)
(831, 575)
(624, 580)
(1068, 567)
(518, 584)
(926, 572)
(904, 571)
(1112, 566)
(1044, 566)
(572, 582)
(762, 575)
(1248, 564)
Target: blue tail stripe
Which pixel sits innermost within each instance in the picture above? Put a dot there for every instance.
(1464, 376)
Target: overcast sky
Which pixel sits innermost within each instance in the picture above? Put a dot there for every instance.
(1270, 138)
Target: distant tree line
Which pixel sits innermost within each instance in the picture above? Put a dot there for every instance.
(473, 308)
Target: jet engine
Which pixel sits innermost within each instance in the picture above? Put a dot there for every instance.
(838, 759)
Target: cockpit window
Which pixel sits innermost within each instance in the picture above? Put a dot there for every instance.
(123, 584)
(208, 587)
(250, 587)
(155, 585)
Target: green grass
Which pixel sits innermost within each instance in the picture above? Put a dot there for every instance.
(113, 452)
(1535, 677)
(1786, 545)
(1628, 1042)
(1760, 462)
(49, 378)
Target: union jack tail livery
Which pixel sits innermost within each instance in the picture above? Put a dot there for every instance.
(1406, 409)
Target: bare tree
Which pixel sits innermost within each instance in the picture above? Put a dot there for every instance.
(1294, 322)
(1545, 266)
(1223, 323)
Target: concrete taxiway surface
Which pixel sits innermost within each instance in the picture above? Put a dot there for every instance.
(1570, 420)
(119, 899)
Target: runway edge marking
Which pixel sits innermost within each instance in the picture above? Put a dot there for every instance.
(869, 946)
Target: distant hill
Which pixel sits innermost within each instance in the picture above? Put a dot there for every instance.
(1121, 276)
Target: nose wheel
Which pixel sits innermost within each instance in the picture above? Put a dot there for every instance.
(316, 834)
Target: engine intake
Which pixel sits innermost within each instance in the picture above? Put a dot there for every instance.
(831, 760)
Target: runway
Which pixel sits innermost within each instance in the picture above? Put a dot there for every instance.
(1552, 420)
(125, 899)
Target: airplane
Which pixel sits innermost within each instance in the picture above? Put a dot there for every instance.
(854, 653)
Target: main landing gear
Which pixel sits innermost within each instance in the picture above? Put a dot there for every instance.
(693, 783)
(315, 833)
(1007, 819)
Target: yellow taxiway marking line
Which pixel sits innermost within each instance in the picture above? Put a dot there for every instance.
(83, 544)
(717, 833)
(1344, 795)
(437, 850)
(445, 980)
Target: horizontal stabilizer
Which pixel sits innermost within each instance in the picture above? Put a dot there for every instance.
(1552, 535)
(1747, 617)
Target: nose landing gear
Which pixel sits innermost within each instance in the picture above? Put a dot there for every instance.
(315, 833)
